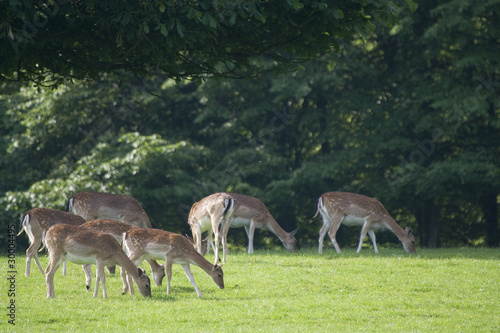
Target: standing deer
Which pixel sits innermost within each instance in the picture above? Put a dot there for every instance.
(37, 221)
(238, 211)
(208, 214)
(356, 209)
(82, 245)
(174, 248)
(117, 229)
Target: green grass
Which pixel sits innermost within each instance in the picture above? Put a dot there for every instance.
(455, 290)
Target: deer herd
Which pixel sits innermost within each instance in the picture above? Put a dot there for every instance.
(109, 230)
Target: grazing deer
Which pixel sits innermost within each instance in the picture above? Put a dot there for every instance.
(82, 245)
(208, 214)
(251, 213)
(174, 248)
(37, 221)
(356, 209)
(98, 205)
(240, 211)
(117, 229)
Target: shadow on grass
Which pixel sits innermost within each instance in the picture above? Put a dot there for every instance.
(441, 253)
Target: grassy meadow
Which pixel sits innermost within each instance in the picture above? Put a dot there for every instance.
(444, 290)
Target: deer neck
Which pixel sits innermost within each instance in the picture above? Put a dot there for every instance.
(275, 228)
(128, 265)
(198, 260)
(395, 228)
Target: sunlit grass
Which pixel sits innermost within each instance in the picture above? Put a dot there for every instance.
(454, 290)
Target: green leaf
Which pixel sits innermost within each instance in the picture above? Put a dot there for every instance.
(163, 30)
(179, 27)
(297, 4)
(338, 13)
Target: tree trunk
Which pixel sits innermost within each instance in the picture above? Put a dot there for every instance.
(428, 222)
(422, 226)
(489, 207)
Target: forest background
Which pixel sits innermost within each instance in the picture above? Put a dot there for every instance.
(405, 109)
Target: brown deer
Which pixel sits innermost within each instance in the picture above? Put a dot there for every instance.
(208, 214)
(235, 211)
(83, 246)
(141, 244)
(37, 221)
(117, 229)
(98, 205)
(357, 209)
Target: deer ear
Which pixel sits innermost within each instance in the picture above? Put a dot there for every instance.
(141, 272)
(292, 233)
(408, 231)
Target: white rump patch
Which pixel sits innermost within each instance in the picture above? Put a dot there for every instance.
(27, 228)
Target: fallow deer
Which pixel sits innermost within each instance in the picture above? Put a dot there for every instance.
(141, 244)
(236, 211)
(117, 229)
(81, 245)
(357, 209)
(37, 221)
(99, 205)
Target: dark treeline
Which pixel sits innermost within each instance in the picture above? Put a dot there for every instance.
(410, 116)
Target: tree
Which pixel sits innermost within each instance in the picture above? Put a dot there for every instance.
(47, 42)
(448, 90)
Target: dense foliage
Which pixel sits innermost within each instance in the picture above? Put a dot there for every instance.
(410, 115)
(49, 41)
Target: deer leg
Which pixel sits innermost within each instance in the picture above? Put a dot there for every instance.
(97, 279)
(190, 276)
(224, 231)
(225, 249)
(371, 233)
(100, 275)
(87, 269)
(54, 264)
(168, 271)
(364, 231)
(223, 222)
(37, 261)
(322, 232)
(197, 238)
(123, 275)
(210, 240)
(137, 261)
(332, 233)
(250, 233)
(130, 281)
(32, 252)
(215, 228)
